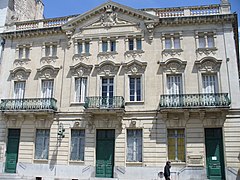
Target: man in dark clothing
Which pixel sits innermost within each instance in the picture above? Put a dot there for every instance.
(167, 170)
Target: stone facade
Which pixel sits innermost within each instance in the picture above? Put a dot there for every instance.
(149, 72)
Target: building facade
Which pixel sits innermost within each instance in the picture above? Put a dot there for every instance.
(116, 92)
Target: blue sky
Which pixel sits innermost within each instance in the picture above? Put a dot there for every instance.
(69, 7)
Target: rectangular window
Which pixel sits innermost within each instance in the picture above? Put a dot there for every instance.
(130, 44)
(113, 45)
(107, 92)
(210, 40)
(104, 46)
(87, 47)
(202, 42)
(176, 43)
(176, 145)
(134, 145)
(20, 53)
(80, 48)
(19, 89)
(47, 88)
(210, 83)
(168, 44)
(47, 51)
(139, 43)
(77, 145)
(174, 84)
(135, 88)
(42, 143)
(50, 50)
(80, 89)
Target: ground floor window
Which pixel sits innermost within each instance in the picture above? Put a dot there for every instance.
(176, 144)
(134, 145)
(42, 143)
(77, 145)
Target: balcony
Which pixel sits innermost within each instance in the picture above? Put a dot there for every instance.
(217, 100)
(28, 104)
(114, 103)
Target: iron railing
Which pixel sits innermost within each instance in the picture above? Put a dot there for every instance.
(115, 102)
(28, 104)
(195, 100)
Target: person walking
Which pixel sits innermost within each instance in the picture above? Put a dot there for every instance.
(167, 172)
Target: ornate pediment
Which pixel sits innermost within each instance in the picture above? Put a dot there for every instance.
(107, 68)
(47, 72)
(107, 15)
(173, 65)
(20, 73)
(81, 69)
(135, 67)
(208, 64)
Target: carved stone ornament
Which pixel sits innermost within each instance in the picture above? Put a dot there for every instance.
(133, 54)
(47, 72)
(206, 51)
(21, 62)
(208, 65)
(173, 66)
(106, 56)
(172, 52)
(107, 68)
(48, 60)
(135, 67)
(81, 69)
(20, 73)
(81, 57)
(109, 18)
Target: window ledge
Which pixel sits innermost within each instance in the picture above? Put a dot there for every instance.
(43, 161)
(76, 162)
(81, 56)
(77, 103)
(139, 51)
(207, 49)
(134, 102)
(134, 163)
(172, 50)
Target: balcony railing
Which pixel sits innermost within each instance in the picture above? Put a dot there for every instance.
(195, 100)
(28, 104)
(98, 102)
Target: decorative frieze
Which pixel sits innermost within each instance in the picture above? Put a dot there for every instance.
(81, 69)
(20, 74)
(208, 64)
(47, 72)
(173, 66)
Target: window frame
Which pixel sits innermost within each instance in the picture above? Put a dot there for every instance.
(79, 139)
(81, 98)
(135, 97)
(176, 144)
(138, 149)
(42, 149)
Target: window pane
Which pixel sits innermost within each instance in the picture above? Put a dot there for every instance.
(42, 144)
(176, 43)
(19, 89)
(54, 50)
(80, 89)
(135, 89)
(27, 51)
(202, 43)
(47, 88)
(209, 83)
(139, 44)
(104, 46)
(80, 49)
(113, 46)
(87, 47)
(168, 43)
(210, 41)
(20, 55)
(47, 51)
(134, 145)
(77, 145)
(131, 44)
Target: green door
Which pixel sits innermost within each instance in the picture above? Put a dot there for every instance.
(12, 150)
(214, 153)
(105, 153)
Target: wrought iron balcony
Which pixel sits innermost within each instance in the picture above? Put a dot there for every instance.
(98, 102)
(195, 100)
(34, 104)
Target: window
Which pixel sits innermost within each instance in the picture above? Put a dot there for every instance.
(50, 50)
(42, 143)
(47, 88)
(135, 88)
(80, 89)
(134, 145)
(23, 52)
(209, 83)
(83, 47)
(176, 145)
(134, 44)
(107, 92)
(77, 145)
(19, 89)
(174, 84)
(206, 41)
(172, 42)
(104, 46)
(113, 45)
